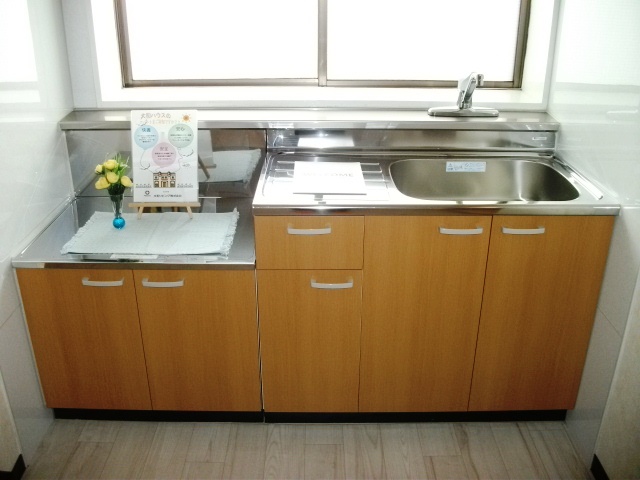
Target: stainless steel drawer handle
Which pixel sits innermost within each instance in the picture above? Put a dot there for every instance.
(461, 231)
(523, 231)
(308, 231)
(147, 283)
(332, 286)
(96, 283)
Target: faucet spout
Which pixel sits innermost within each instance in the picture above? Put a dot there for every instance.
(466, 87)
(464, 106)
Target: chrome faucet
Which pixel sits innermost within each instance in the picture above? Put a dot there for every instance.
(466, 87)
(464, 106)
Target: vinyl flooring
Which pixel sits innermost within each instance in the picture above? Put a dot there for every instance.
(84, 449)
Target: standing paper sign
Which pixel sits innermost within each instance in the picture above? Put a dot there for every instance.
(164, 152)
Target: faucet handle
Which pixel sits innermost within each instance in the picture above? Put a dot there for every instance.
(464, 107)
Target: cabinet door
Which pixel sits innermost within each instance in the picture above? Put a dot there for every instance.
(315, 242)
(86, 338)
(541, 292)
(310, 339)
(422, 290)
(200, 336)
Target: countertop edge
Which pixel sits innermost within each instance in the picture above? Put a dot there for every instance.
(322, 118)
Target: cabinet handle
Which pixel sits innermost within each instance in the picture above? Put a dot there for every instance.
(308, 231)
(332, 286)
(461, 231)
(147, 283)
(523, 231)
(96, 283)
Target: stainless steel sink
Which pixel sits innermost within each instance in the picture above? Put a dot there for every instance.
(488, 179)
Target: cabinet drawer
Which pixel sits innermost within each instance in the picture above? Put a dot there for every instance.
(297, 242)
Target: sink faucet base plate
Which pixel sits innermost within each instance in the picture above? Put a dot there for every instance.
(454, 111)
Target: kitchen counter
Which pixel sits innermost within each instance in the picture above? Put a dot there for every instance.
(375, 138)
(275, 196)
(44, 251)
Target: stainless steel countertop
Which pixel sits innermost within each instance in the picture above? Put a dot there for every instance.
(322, 118)
(274, 195)
(44, 251)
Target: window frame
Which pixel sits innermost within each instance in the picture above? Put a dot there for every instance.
(322, 80)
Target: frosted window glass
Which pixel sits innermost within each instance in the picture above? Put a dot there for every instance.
(17, 61)
(421, 39)
(239, 39)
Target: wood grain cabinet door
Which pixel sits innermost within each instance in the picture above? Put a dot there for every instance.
(86, 337)
(200, 336)
(422, 290)
(310, 339)
(540, 296)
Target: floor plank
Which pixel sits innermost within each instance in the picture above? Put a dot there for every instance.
(100, 431)
(209, 443)
(330, 434)
(363, 452)
(285, 452)
(438, 439)
(57, 446)
(520, 458)
(324, 462)
(402, 452)
(130, 449)
(558, 455)
(202, 471)
(480, 452)
(168, 453)
(246, 452)
(449, 467)
(87, 461)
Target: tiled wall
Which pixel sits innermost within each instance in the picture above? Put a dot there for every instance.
(35, 182)
(596, 97)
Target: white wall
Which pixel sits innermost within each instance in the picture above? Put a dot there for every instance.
(34, 184)
(9, 444)
(596, 96)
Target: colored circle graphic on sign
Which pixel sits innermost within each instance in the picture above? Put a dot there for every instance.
(163, 154)
(180, 135)
(145, 136)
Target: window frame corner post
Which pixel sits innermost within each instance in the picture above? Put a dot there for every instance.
(322, 42)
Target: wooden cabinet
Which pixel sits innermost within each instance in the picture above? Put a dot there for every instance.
(541, 290)
(422, 293)
(200, 339)
(309, 299)
(144, 339)
(86, 338)
(458, 313)
(387, 314)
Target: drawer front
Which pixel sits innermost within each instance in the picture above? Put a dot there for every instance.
(318, 242)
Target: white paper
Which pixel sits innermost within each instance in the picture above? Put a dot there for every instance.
(344, 178)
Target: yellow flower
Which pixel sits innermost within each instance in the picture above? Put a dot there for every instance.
(110, 164)
(112, 177)
(102, 183)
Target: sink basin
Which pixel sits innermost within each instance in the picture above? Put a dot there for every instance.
(488, 179)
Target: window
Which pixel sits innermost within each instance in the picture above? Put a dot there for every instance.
(334, 43)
